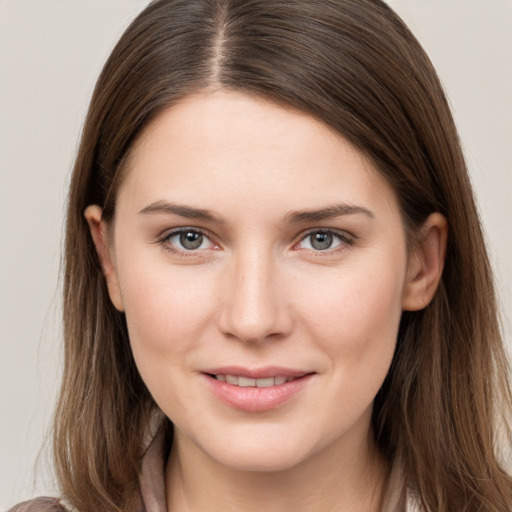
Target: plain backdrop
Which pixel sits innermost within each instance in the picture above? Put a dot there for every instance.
(51, 52)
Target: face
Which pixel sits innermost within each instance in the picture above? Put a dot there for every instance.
(261, 262)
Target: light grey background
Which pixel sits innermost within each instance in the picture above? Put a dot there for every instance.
(51, 52)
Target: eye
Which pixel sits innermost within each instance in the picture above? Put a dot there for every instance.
(188, 240)
(323, 240)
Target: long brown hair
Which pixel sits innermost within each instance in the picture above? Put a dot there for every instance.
(354, 65)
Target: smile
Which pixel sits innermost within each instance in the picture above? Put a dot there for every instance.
(256, 391)
(245, 382)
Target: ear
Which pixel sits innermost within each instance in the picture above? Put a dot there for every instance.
(99, 231)
(426, 263)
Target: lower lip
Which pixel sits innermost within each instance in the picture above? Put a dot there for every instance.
(254, 399)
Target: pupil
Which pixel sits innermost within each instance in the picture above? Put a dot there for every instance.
(191, 240)
(321, 241)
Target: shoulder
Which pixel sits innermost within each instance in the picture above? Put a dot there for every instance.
(41, 505)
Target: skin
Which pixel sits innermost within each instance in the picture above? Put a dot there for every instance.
(258, 293)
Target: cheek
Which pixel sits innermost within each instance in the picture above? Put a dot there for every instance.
(166, 308)
(167, 311)
(354, 319)
(357, 330)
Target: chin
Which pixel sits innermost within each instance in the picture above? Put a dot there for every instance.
(261, 460)
(261, 452)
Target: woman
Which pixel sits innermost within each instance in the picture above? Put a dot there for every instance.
(276, 291)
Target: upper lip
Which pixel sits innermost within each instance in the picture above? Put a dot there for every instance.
(265, 372)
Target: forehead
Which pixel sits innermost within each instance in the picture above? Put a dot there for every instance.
(230, 147)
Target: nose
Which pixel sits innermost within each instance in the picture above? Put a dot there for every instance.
(254, 305)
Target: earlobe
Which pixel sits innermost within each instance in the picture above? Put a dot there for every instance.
(426, 263)
(98, 229)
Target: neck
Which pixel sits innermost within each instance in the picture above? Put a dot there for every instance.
(346, 478)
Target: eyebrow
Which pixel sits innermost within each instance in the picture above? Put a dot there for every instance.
(293, 217)
(188, 212)
(338, 210)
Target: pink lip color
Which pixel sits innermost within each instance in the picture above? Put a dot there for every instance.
(254, 399)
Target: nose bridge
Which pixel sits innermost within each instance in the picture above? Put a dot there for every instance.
(254, 308)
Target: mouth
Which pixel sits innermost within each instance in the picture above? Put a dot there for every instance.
(248, 382)
(256, 390)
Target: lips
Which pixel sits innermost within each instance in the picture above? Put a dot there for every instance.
(256, 390)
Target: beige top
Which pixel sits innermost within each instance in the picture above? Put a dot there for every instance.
(152, 489)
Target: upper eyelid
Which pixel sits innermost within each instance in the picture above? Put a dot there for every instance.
(176, 231)
(338, 232)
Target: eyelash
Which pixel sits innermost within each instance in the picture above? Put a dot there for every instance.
(182, 253)
(345, 239)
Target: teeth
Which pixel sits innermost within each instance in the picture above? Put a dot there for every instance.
(231, 379)
(265, 383)
(244, 382)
